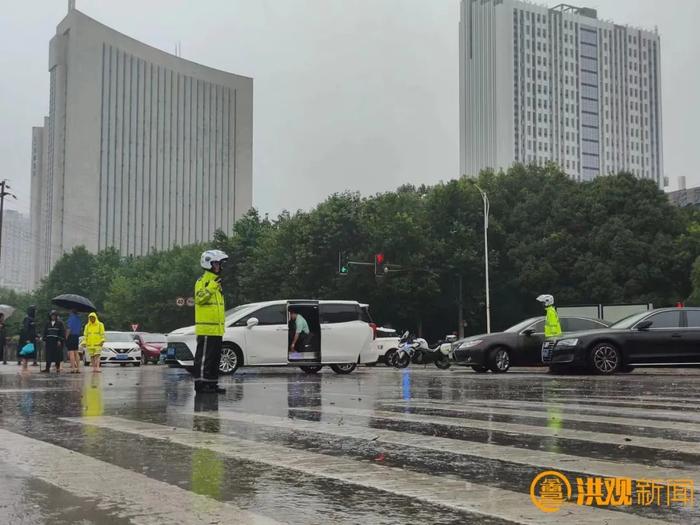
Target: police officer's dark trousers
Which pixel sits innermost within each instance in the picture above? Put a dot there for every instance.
(206, 361)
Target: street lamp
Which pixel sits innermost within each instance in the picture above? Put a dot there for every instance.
(4, 187)
(487, 207)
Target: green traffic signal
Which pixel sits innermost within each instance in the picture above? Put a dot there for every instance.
(344, 270)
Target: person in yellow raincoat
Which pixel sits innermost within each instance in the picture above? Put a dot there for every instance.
(93, 339)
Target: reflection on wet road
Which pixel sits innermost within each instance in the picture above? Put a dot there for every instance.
(377, 446)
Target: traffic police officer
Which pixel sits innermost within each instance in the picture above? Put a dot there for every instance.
(552, 326)
(209, 322)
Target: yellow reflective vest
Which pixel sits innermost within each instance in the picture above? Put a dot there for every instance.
(552, 327)
(208, 305)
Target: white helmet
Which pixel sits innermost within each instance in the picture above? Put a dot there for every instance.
(211, 256)
(547, 299)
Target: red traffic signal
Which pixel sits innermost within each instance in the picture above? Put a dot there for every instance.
(379, 266)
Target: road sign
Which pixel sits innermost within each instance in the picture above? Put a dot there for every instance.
(134, 327)
(190, 301)
(180, 301)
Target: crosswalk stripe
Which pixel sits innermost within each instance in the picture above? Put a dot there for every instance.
(530, 430)
(128, 494)
(646, 399)
(666, 415)
(25, 390)
(447, 492)
(618, 402)
(602, 419)
(523, 456)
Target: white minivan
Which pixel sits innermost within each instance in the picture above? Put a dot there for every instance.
(258, 334)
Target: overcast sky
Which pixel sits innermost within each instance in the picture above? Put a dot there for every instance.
(349, 94)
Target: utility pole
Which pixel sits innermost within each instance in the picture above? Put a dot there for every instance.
(460, 312)
(4, 187)
(487, 208)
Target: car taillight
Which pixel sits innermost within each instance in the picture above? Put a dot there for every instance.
(373, 326)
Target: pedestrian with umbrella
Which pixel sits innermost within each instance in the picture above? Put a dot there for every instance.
(76, 303)
(75, 329)
(54, 339)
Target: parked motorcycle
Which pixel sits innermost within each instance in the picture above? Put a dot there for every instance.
(416, 350)
(438, 354)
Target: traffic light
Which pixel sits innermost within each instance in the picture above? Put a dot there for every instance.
(379, 264)
(343, 266)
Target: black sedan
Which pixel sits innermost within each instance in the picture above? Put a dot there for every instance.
(664, 337)
(519, 345)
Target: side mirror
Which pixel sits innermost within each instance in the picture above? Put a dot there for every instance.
(644, 325)
(528, 332)
(251, 322)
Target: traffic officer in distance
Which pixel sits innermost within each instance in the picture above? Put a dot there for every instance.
(209, 322)
(552, 326)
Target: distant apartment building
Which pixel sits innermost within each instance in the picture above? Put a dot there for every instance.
(141, 149)
(558, 84)
(685, 197)
(16, 255)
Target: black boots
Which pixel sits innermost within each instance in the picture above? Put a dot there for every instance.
(208, 387)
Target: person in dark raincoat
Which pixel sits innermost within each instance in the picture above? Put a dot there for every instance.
(54, 338)
(27, 334)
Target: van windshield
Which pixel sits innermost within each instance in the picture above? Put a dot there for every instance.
(235, 314)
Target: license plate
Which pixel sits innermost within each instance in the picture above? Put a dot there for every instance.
(122, 356)
(546, 352)
(170, 353)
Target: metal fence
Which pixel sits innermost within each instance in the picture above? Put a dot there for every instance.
(608, 312)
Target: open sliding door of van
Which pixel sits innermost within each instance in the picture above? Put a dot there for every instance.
(309, 350)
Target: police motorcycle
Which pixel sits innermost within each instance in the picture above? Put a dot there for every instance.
(416, 350)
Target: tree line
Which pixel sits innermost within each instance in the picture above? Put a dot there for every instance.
(615, 239)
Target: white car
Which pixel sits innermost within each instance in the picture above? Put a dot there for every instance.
(258, 334)
(119, 348)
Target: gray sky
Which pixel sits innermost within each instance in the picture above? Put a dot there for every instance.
(349, 94)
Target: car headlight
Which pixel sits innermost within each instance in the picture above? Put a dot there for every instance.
(469, 344)
(567, 342)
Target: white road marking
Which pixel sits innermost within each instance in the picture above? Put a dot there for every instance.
(128, 495)
(690, 416)
(542, 414)
(523, 456)
(447, 492)
(530, 430)
(625, 402)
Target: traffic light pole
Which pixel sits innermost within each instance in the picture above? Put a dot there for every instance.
(2, 212)
(487, 208)
(460, 313)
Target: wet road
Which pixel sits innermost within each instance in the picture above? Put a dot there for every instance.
(135, 445)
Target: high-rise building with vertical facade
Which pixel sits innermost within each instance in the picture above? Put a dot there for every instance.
(141, 150)
(558, 84)
(15, 261)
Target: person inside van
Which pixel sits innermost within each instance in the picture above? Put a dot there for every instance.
(301, 331)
